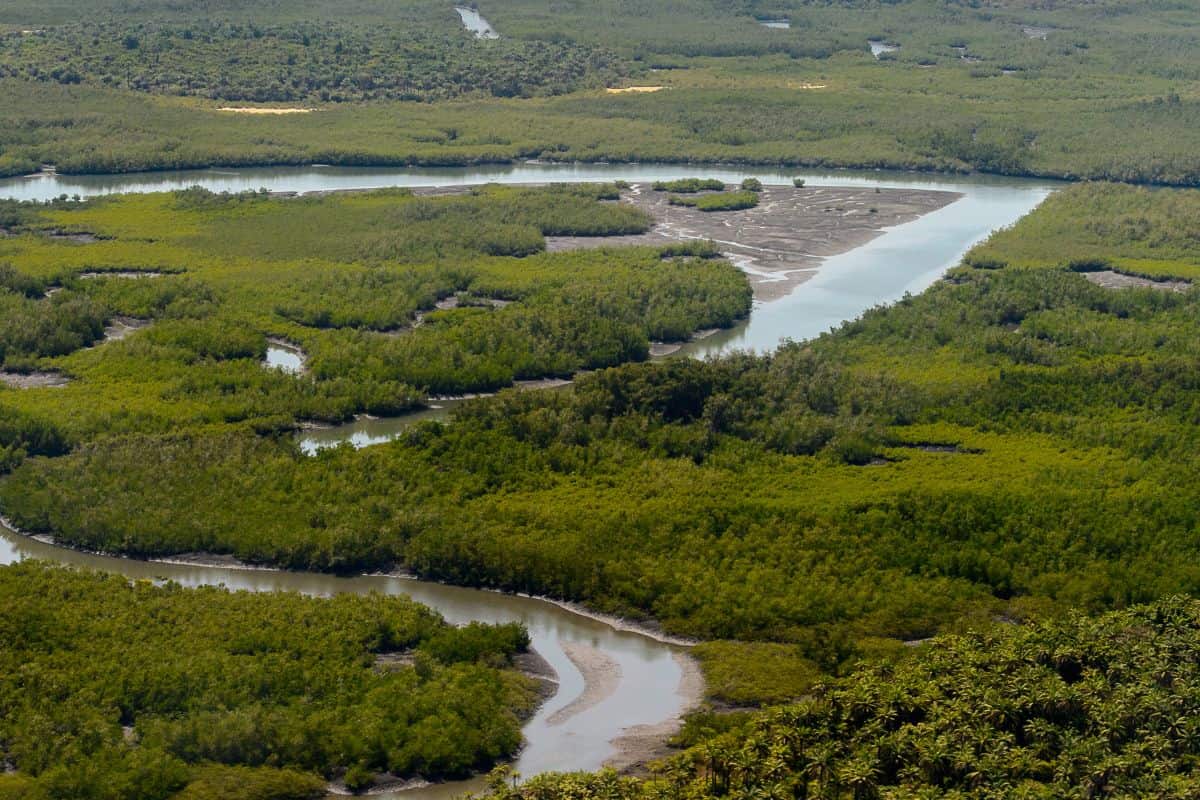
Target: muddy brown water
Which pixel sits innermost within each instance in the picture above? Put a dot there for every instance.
(646, 690)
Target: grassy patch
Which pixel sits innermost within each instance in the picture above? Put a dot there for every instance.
(721, 201)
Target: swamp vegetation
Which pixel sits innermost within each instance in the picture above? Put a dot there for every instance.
(415, 296)
(100, 86)
(1016, 445)
(116, 690)
(1013, 445)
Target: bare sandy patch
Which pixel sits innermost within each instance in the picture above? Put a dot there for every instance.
(601, 677)
(1119, 280)
(265, 111)
(636, 90)
(122, 274)
(34, 380)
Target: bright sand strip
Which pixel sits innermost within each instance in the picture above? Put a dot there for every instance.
(269, 111)
(601, 677)
(636, 90)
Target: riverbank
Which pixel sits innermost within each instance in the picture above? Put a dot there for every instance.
(555, 629)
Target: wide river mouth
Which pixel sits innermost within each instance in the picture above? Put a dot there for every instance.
(650, 685)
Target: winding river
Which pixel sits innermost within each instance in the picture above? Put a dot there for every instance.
(650, 676)
(647, 678)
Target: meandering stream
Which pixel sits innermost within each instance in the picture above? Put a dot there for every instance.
(647, 692)
(650, 686)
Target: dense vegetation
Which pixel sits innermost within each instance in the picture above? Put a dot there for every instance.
(1075, 708)
(1098, 227)
(689, 185)
(1040, 423)
(116, 690)
(302, 62)
(31, 328)
(1014, 443)
(969, 88)
(415, 295)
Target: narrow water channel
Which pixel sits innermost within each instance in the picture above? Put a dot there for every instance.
(47, 186)
(365, 431)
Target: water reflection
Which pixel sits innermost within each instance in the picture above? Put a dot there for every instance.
(284, 357)
(475, 23)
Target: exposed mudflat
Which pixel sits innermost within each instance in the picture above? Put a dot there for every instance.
(34, 380)
(1119, 280)
(121, 327)
(782, 242)
(124, 274)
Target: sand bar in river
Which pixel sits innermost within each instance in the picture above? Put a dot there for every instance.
(782, 242)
